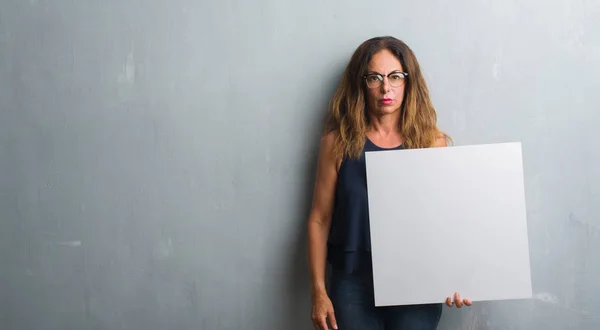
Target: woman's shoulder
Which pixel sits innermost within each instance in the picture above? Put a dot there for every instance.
(441, 139)
(329, 140)
(328, 148)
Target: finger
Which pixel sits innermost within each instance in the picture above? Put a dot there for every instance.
(317, 323)
(468, 302)
(457, 300)
(332, 321)
(323, 323)
(449, 301)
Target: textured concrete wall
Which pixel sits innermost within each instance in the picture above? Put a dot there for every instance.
(157, 157)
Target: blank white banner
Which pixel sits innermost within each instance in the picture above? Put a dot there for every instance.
(448, 219)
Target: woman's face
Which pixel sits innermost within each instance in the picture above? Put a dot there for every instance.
(384, 97)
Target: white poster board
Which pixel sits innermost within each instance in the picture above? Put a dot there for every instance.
(448, 219)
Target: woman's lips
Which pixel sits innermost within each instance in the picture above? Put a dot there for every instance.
(387, 101)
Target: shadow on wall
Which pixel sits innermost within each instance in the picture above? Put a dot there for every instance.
(298, 284)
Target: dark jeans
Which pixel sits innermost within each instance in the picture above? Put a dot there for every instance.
(354, 306)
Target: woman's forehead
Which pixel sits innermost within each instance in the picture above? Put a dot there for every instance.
(384, 62)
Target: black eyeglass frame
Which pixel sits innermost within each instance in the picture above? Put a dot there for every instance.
(381, 76)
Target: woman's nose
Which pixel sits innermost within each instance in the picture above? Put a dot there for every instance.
(385, 85)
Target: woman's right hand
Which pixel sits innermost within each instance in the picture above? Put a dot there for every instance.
(322, 310)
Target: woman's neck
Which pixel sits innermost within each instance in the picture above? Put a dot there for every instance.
(384, 125)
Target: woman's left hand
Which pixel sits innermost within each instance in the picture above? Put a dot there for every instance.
(458, 301)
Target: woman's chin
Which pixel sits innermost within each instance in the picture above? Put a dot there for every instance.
(387, 110)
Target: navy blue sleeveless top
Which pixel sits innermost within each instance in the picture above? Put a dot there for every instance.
(349, 243)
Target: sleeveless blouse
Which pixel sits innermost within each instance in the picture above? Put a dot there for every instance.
(349, 243)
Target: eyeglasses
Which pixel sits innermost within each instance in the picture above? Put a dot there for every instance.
(396, 79)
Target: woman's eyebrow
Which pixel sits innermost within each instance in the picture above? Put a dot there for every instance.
(375, 72)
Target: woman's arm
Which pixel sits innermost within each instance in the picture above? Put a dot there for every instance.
(319, 220)
(319, 223)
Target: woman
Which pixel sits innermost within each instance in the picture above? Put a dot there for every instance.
(382, 103)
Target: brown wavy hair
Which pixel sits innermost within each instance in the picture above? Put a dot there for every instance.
(347, 113)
